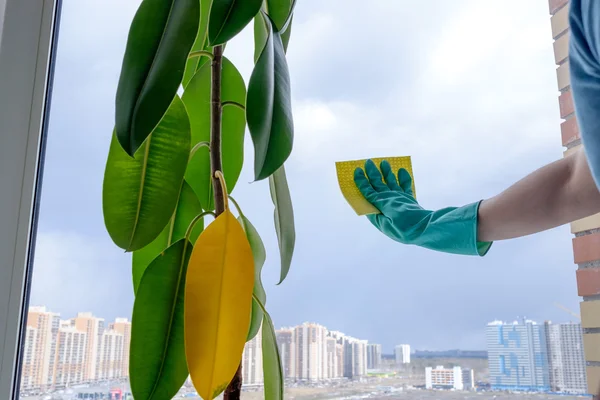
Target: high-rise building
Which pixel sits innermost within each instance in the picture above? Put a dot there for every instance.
(311, 352)
(332, 360)
(59, 354)
(444, 378)
(373, 356)
(351, 354)
(40, 353)
(110, 356)
(402, 352)
(252, 361)
(94, 328)
(349, 358)
(70, 356)
(123, 326)
(517, 356)
(468, 378)
(360, 357)
(339, 356)
(28, 378)
(586, 250)
(566, 360)
(287, 351)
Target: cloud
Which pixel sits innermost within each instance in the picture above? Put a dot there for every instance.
(73, 272)
(469, 91)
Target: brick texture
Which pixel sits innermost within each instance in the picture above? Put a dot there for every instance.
(588, 282)
(586, 224)
(565, 102)
(591, 346)
(560, 22)
(590, 314)
(563, 76)
(561, 48)
(586, 248)
(569, 131)
(593, 377)
(555, 5)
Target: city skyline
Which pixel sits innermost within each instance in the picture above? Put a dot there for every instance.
(522, 355)
(386, 351)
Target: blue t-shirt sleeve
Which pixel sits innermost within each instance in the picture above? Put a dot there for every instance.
(584, 60)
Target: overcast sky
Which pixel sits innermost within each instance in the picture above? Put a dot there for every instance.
(467, 88)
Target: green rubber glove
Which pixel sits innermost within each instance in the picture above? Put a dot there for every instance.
(450, 230)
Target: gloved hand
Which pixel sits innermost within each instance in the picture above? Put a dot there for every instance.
(450, 230)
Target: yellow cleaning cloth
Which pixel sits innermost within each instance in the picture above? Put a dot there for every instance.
(345, 174)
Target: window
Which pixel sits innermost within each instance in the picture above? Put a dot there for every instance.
(359, 312)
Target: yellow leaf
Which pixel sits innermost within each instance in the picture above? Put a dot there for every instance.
(218, 301)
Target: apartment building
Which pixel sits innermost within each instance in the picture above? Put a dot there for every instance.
(310, 352)
(444, 378)
(287, 351)
(517, 356)
(70, 356)
(123, 326)
(94, 328)
(402, 353)
(310, 342)
(373, 356)
(40, 352)
(109, 365)
(59, 354)
(566, 360)
(252, 361)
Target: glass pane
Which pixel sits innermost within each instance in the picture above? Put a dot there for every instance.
(467, 89)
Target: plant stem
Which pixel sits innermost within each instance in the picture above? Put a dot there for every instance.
(234, 389)
(216, 113)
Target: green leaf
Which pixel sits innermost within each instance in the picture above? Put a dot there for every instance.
(285, 36)
(197, 99)
(284, 219)
(229, 17)
(140, 194)
(261, 34)
(200, 43)
(157, 366)
(260, 255)
(269, 108)
(272, 370)
(160, 38)
(279, 11)
(188, 208)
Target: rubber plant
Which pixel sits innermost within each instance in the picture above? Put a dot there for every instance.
(176, 154)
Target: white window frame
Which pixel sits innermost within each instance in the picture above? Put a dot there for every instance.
(28, 30)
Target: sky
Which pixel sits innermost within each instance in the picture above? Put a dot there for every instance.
(467, 88)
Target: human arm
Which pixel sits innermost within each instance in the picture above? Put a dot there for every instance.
(559, 193)
(401, 217)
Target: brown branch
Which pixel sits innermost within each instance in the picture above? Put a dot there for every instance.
(215, 128)
(234, 389)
